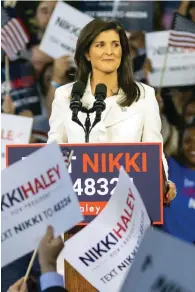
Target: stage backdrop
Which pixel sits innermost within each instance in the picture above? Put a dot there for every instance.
(95, 168)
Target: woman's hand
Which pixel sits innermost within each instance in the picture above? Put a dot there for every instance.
(171, 193)
(8, 106)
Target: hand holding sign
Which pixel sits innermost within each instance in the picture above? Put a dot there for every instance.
(104, 257)
(60, 68)
(19, 286)
(8, 106)
(61, 65)
(49, 249)
(25, 214)
(48, 253)
(62, 30)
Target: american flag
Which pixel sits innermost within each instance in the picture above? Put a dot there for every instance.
(14, 36)
(183, 32)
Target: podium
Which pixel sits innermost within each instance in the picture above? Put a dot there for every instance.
(94, 171)
(74, 281)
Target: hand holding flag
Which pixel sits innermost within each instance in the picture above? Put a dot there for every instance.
(14, 35)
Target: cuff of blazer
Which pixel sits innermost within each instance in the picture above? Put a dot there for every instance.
(51, 279)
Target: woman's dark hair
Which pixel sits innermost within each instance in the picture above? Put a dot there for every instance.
(125, 74)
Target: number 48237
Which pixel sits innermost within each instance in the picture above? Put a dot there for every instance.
(90, 186)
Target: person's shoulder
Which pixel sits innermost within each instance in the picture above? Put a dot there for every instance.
(146, 91)
(65, 90)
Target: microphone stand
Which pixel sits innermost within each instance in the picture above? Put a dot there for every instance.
(87, 128)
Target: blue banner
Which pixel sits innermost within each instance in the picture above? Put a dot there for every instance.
(133, 15)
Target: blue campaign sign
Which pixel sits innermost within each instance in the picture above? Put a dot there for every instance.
(94, 170)
(133, 15)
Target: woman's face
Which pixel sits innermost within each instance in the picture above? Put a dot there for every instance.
(44, 12)
(105, 52)
(189, 146)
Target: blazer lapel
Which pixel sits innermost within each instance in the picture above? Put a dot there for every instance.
(118, 114)
(112, 115)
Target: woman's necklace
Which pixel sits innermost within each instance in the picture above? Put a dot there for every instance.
(114, 92)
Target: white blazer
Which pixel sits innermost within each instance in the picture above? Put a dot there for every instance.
(138, 122)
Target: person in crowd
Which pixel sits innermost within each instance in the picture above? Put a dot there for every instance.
(15, 270)
(184, 109)
(179, 218)
(169, 131)
(174, 100)
(48, 252)
(189, 110)
(187, 9)
(63, 72)
(137, 40)
(131, 115)
(23, 98)
(45, 78)
(54, 74)
(42, 16)
(39, 59)
(140, 64)
(24, 88)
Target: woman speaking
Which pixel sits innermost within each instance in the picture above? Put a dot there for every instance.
(131, 115)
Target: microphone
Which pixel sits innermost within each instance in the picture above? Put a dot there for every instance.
(75, 103)
(99, 104)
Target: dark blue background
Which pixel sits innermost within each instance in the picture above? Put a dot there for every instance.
(139, 24)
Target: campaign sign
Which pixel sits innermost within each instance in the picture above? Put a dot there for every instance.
(162, 263)
(14, 130)
(180, 62)
(62, 31)
(94, 170)
(35, 193)
(133, 15)
(103, 258)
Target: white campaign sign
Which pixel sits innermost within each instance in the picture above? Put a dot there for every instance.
(63, 30)
(180, 66)
(14, 130)
(36, 192)
(163, 263)
(104, 250)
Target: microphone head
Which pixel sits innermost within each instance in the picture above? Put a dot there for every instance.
(101, 90)
(78, 89)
